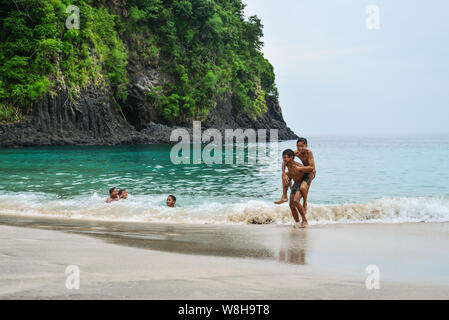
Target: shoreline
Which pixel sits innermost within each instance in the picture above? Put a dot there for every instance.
(155, 261)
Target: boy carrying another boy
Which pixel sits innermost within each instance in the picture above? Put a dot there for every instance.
(296, 174)
(308, 169)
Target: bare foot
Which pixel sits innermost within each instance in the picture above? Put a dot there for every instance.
(281, 201)
(304, 224)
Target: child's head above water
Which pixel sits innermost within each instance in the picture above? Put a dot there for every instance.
(288, 155)
(113, 193)
(301, 144)
(171, 200)
(123, 194)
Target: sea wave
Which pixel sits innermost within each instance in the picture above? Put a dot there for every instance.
(151, 209)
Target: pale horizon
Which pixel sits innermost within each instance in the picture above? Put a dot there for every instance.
(337, 77)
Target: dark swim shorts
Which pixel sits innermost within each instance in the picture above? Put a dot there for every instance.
(297, 185)
(306, 177)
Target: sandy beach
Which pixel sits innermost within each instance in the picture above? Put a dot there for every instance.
(158, 261)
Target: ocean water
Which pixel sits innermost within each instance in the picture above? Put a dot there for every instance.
(387, 180)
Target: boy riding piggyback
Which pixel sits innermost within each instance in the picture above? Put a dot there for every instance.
(308, 168)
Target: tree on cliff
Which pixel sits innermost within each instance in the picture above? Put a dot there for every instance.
(206, 46)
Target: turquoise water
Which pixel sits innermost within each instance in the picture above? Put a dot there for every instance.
(369, 179)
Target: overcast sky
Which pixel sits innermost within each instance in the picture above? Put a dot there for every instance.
(337, 77)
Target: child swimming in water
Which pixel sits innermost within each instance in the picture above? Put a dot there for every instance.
(113, 195)
(171, 200)
(123, 194)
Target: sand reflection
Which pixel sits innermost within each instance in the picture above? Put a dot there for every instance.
(293, 248)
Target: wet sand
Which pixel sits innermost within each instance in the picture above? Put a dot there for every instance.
(162, 261)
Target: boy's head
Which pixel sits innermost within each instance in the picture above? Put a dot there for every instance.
(123, 193)
(288, 155)
(301, 144)
(113, 193)
(171, 200)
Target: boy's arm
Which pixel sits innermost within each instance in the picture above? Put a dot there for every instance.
(285, 178)
(311, 166)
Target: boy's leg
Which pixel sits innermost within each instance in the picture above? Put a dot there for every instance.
(302, 212)
(285, 186)
(293, 208)
(305, 192)
(305, 187)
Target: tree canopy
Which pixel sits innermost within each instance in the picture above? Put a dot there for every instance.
(207, 47)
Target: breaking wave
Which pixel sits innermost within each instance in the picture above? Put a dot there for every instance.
(151, 209)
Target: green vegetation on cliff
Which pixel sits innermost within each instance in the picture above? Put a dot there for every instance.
(206, 47)
(38, 54)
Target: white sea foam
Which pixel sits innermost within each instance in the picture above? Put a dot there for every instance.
(145, 208)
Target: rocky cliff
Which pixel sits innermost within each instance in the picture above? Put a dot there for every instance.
(96, 115)
(93, 120)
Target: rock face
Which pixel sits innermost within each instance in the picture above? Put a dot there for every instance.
(57, 121)
(224, 116)
(93, 120)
